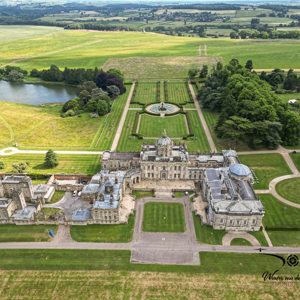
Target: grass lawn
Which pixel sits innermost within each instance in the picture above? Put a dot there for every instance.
(163, 217)
(151, 126)
(38, 181)
(296, 159)
(285, 238)
(145, 92)
(68, 163)
(206, 234)
(121, 233)
(49, 211)
(177, 92)
(260, 237)
(286, 97)
(178, 194)
(25, 233)
(57, 196)
(47, 129)
(266, 167)
(201, 142)
(278, 214)
(281, 221)
(240, 242)
(127, 144)
(142, 194)
(112, 260)
(289, 189)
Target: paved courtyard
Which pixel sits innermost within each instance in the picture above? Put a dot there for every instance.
(164, 247)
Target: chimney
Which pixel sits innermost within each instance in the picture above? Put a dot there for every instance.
(223, 190)
(116, 180)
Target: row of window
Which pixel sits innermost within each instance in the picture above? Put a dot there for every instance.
(238, 222)
(164, 168)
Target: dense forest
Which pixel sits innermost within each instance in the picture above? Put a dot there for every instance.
(248, 111)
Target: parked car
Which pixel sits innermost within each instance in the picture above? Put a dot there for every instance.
(52, 234)
(74, 193)
(91, 202)
(79, 194)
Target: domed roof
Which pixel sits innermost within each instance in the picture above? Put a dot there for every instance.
(240, 170)
(164, 140)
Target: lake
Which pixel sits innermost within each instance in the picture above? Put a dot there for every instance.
(35, 94)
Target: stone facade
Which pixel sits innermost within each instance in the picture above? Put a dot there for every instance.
(226, 185)
(20, 201)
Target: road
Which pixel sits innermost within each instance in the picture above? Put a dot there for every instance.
(122, 121)
(205, 127)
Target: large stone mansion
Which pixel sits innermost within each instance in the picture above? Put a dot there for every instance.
(223, 187)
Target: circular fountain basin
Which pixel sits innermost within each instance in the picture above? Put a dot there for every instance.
(167, 108)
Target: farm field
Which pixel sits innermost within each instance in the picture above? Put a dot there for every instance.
(41, 127)
(163, 217)
(10, 33)
(177, 92)
(142, 284)
(289, 189)
(26, 233)
(145, 92)
(98, 233)
(89, 49)
(152, 126)
(68, 163)
(266, 167)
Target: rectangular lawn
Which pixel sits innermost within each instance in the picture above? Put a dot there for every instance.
(145, 92)
(151, 126)
(163, 217)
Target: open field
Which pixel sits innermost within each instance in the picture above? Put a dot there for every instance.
(296, 159)
(16, 32)
(68, 163)
(163, 217)
(281, 221)
(177, 92)
(142, 285)
(152, 126)
(289, 189)
(145, 92)
(286, 97)
(26, 233)
(89, 49)
(36, 127)
(266, 167)
(98, 233)
(166, 67)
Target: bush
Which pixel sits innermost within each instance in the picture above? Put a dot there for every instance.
(2, 165)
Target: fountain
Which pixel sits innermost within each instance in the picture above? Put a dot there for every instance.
(162, 108)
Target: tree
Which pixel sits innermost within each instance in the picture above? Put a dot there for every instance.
(116, 72)
(20, 167)
(91, 106)
(113, 91)
(71, 104)
(233, 35)
(2, 165)
(102, 107)
(15, 76)
(291, 82)
(249, 65)
(51, 159)
(192, 73)
(204, 71)
(103, 80)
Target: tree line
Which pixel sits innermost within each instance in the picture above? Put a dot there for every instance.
(248, 111)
